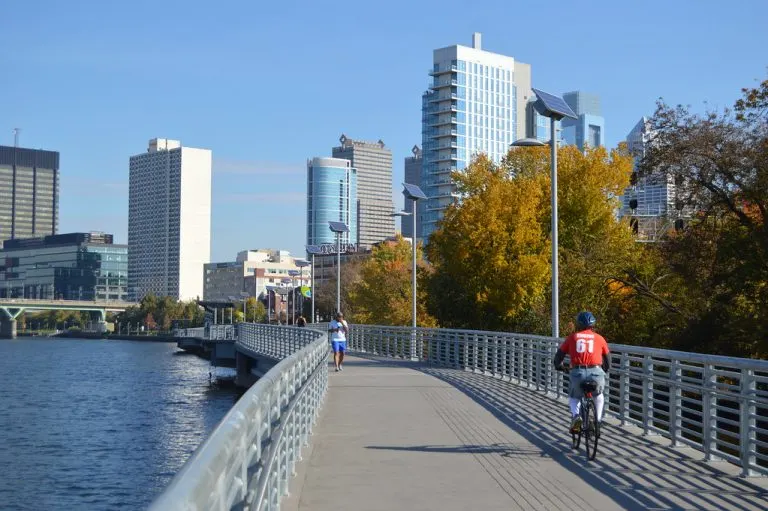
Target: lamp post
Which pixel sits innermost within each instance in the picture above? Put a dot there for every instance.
(244, 295)
(301, 263)
(413, 193)
(313, 250)
(555, 108)
(293, 274)
(338, 228)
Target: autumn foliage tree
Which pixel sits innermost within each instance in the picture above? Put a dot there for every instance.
(491, 253)
(383, 293)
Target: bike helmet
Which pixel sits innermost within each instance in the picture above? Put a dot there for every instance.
(585, 320)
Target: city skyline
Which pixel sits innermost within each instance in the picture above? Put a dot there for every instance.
(105, 101)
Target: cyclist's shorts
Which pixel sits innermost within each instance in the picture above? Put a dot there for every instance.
(339, 346)
(580, 375)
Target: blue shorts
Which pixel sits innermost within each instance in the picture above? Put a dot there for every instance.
(339, 346)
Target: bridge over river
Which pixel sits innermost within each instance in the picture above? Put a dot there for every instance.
(455, 420)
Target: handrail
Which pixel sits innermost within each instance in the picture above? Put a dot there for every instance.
(716, 404)
(248, 459)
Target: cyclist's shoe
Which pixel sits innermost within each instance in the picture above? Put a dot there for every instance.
(576, 425)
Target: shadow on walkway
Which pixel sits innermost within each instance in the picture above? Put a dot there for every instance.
(637, 472)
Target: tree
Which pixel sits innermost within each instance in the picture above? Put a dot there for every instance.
(325, 299)
(383, 294)
(719, 162)
(149, 322)
(491, 252)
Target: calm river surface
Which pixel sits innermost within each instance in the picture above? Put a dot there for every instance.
(97, 425)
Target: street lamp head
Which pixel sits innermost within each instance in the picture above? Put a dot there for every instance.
(301, 263)
(527, 142)
(552, 106)
(313, 250)
(338, 227)
(413, 192)
(401, 213)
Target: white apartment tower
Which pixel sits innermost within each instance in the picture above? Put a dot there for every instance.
(476, 104)
(169, 220)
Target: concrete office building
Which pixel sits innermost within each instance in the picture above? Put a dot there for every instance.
(169, 220)
(373, 162)
(76, 266)
(412, 176)
(589, 128)
(476, 104)
(29, 192)
(331, 196)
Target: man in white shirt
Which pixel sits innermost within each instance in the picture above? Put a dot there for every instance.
(339, 330)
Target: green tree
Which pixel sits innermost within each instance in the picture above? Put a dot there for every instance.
(325, 299)
(383, 294)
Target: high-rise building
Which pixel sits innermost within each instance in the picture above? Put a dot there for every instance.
(373, 162)
(29, 192)
(589, 128)
(651, 202)
(169, 220)
(412, 176)
(476, 104)
(331, 196)
(76, 266)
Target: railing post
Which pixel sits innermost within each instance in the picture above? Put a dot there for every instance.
(647, 386)
(624, 389)
(529, 365)
(675, 402)
(709, 412)
(748, 423)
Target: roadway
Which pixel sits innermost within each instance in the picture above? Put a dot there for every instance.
(402, 435)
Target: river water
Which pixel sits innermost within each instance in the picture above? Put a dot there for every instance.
(99, 425)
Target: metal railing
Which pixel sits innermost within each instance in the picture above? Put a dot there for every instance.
(716, 404)
(195, 332)
(247, 461)
(220, 333)
(276, 342)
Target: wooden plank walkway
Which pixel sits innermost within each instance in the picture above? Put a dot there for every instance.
(403, 436)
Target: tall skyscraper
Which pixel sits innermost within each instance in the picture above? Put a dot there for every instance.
(29, 192)
(373, 162)
(412, 176)
(589, 128)
(476, 104)
(169, 220)
(331, 196)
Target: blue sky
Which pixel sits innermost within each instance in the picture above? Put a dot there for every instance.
(267, 85)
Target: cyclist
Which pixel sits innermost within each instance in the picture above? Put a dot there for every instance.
(590, 360)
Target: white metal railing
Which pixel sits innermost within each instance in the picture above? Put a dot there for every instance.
(274, 341)
(716, 404)
(220, 332)
(248, 459)
(196, 332)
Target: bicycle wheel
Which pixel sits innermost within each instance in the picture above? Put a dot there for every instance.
(591, 429)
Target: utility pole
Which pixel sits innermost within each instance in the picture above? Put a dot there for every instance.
(16, 132)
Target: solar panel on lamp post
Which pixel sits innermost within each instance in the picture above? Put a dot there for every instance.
(338, 228)
(548, 105)
(414, 194)
(313, 250)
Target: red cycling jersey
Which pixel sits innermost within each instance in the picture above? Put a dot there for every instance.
(585, 348)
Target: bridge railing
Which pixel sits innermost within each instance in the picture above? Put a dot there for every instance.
(276, 342)
(248, 459)
(716, 404)
(220, 332)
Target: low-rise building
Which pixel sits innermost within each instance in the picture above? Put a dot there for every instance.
(74, 266)
(253, 272)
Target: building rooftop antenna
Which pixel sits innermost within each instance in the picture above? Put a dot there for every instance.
(16, 137)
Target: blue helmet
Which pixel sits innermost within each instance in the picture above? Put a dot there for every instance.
(585, 320)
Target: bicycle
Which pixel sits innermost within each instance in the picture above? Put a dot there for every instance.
(590, 426)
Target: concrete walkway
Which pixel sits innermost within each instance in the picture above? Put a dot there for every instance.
(402, 436)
